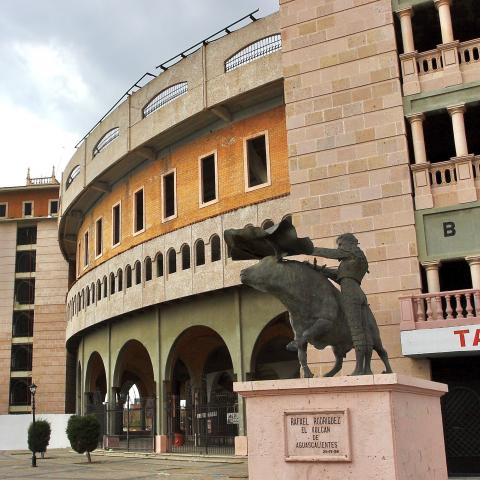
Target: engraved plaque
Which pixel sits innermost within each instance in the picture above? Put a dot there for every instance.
(317, 436)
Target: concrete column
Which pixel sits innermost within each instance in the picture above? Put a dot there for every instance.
(443, 7)
(433, 279)
(458, 124)
(416, 122)
(405, 16)
(474, 263)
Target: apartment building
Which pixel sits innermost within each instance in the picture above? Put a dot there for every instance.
(33, 289)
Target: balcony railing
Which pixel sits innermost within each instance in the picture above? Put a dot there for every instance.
(451, 182)
(428, 62)
(442, 309)
(449, 64)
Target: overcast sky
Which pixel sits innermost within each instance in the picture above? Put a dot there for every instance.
(64, 63)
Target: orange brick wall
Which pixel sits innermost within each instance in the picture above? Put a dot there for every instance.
(229, 144)
(40, 197)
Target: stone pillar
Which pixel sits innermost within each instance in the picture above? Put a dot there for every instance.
(421, 169)
(458, 124)
(416, 122)
(405, 16)
(443, 7)
(474, 263)
(433, 279)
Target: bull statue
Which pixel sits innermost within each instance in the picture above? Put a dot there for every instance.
(316, 308)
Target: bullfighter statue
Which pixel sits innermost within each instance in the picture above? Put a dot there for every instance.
(349, 275)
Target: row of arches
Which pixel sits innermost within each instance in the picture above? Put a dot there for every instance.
(114, 282)
(197, 376)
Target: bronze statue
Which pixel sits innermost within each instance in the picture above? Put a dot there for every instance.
(319, 313)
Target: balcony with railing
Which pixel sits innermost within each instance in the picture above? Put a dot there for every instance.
(449, 64)
(441, 323)
(451, 182)
(441, 309)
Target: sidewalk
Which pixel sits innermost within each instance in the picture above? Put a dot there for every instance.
(66, 465)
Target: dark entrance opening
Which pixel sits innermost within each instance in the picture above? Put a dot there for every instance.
(270, 359)
(202, 409)
(460, 412)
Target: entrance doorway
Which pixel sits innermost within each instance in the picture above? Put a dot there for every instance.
(202, 409)
(460, 412)
(131, 417)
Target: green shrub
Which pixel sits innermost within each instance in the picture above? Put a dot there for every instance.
(39, 437)
(83, 433)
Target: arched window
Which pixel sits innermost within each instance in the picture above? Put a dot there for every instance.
(172, 261)
(164, 97)
(83, 298)
(21, 358)
(148, 269)
(267, 224)
(159, 265)
(99, 290)
(185, 257)
(120, 279)
(79, 305)
(215, 248)
(109, 137)
(200, 252)
(128, 275)
(92, 290)
(105, 292)
(112, 283)
(138, 273)
(71, 177)
(23, 323)
(257, 49)
(87, 295)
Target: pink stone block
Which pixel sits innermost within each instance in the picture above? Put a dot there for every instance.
(161, 443)
(377, 427)
(241, 445)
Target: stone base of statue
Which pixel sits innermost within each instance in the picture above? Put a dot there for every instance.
(377, 427)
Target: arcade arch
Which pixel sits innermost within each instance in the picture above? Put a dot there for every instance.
(270, 359)
(201, 401)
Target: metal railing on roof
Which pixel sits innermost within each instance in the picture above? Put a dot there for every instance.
(259, 48)
(170, 62)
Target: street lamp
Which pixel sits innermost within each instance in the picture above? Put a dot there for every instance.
(33, 389)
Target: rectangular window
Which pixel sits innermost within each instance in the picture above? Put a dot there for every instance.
(28, 209)
(53, 208)
(208, 179)
(22, 323)
(257, 164)
(139, 211)
(27, 236)
(25, 261)
(3, 210)
(116, 224)
(168, 192)
(85, 251)
(98, 237)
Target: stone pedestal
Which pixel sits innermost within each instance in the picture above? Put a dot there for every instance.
(378, 427)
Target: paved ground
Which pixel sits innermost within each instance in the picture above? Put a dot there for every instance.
(65, 465)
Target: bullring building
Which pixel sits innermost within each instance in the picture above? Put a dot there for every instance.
(354, 117)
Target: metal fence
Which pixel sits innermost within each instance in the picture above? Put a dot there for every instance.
(128, 426)
(202, 427)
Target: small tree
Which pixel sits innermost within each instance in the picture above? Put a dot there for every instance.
(39, 436)
(83, 433)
